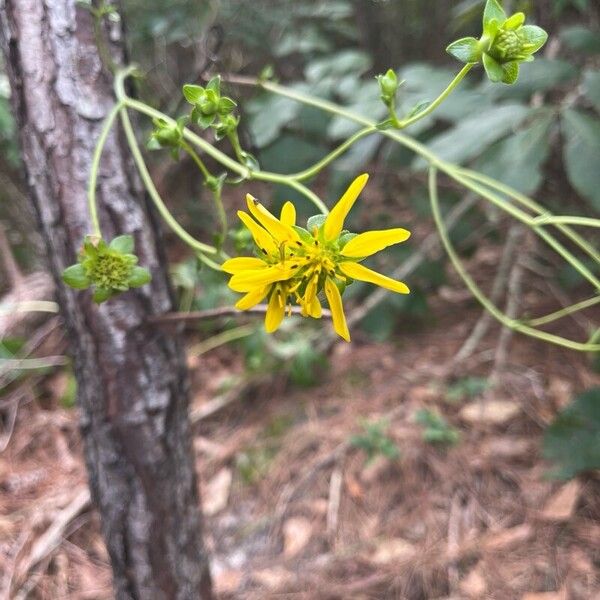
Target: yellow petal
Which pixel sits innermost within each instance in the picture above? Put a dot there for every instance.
(356, 271)
(263, 239)
(337, 309)
(366, 244)
(334, 223)
(275, 311)
(248, 280)
(242, 263)
(252, 298)
(281, 232)
(288, 214)
(314, 309)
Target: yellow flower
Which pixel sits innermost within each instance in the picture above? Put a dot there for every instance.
(297, 263)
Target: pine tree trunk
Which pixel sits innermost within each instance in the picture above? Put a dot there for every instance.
(132, 380)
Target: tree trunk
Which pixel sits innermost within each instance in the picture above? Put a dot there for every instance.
(132, 381)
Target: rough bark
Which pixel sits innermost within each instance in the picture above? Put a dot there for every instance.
(132, 381)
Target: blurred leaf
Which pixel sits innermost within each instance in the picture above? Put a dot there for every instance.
(374, 441)
(591, 87)
(268, 115)
(517, 160)
(573, 439)
(290, 153)
(306, 40)
(472, 136)
(582, 153)
(436, 428)
(467, 387)
(339, 63)
(581, 39)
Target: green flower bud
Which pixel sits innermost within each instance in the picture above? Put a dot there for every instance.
(226, 125)
(504, 44)
(109, 268)
(388, 85)
(166, 135)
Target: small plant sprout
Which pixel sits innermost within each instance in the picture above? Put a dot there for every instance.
(374, 441)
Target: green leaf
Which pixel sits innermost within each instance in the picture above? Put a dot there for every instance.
(473, 135)
(203, 121)
(315, 221)
(582, 153)
(268, 115)
(101, 295)
(518, 159)
(139, 276)
(510, 72)
(122, 244)
(492, 68)
(591, 87)
(226, 105)
(533, 34)
(466, 50)
(75, 277)
(193, 93)
(214, 84)
(339, 63)
(581, 39)
(493, 12)
(514, 21)
(572, 441)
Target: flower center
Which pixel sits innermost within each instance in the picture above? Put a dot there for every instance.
(508, 46)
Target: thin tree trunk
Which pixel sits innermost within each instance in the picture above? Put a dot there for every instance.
(132, 381)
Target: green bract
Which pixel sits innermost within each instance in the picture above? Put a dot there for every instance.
(207, 102)
(505, 43)
(109, 268)
(167, 135)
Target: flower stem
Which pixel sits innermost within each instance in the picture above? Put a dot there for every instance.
(153, 192)
(221, 214)
(319, 166)
(208, 148)
(431, 107)
(95, 167)
(476, 291)
(563, 312)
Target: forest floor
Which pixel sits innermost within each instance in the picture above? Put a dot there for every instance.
(294, 509)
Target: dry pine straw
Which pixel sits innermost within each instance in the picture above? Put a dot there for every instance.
(465, 522)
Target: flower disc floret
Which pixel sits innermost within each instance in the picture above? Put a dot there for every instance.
(298, 264)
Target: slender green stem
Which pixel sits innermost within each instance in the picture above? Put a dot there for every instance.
(234, 140)
(208, 148)
(563, 312)
(153, 192)
(451, 86)
(566, 219)
(95, 167)
(222, 338)
(211, 264)
(319, 166)
(221, 214)
(534, 206)
(194, 156)
(476, 291)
